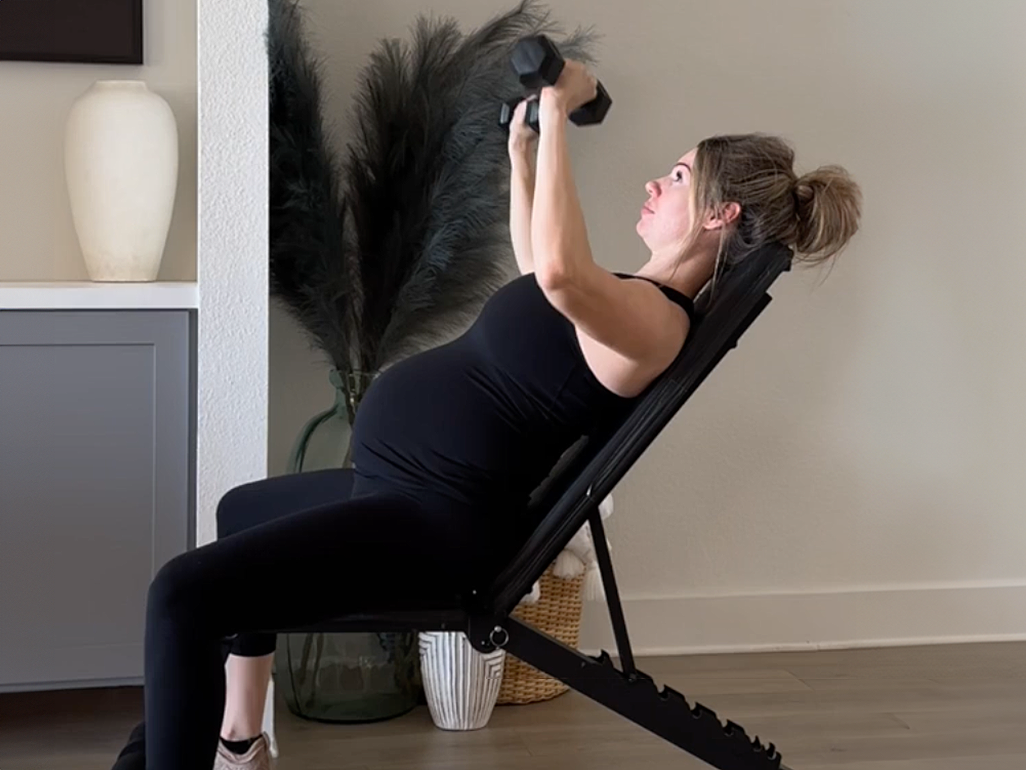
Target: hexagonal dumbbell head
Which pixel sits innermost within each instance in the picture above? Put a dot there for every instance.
(537, 61)
(593, 112)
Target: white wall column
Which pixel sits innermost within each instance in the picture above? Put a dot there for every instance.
(232, 259)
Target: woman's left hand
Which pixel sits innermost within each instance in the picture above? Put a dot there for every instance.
(575, 87)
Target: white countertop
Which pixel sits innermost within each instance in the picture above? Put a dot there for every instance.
(86, 295)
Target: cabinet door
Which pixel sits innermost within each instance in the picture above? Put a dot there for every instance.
(95, 486)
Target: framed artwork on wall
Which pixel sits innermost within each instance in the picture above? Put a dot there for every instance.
(87, 31)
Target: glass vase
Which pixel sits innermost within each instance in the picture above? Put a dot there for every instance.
(347, 678)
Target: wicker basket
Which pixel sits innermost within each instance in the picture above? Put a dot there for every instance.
(558, 614)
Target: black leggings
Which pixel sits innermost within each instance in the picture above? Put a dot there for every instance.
(292, 551)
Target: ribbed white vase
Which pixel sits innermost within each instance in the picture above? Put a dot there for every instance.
(121, 169)
(460, 683)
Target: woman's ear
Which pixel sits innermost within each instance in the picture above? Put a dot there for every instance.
(723, 215)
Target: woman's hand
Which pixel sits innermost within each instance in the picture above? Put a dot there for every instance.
(575, 87)
(522, 138)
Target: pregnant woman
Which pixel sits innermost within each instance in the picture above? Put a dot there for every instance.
(449, 443)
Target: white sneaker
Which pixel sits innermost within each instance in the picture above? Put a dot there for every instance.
(257, 758)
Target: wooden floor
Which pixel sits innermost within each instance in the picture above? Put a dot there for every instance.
(928, 708)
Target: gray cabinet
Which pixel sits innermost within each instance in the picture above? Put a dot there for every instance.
(96, 486)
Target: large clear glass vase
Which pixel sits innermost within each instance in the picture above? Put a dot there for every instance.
(333, 677)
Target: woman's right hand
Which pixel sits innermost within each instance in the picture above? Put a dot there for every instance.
(522, 138)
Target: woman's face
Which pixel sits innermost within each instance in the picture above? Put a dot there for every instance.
(665, 218)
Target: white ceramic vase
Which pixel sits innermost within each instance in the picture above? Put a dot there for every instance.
(461, 684)
(121, 167)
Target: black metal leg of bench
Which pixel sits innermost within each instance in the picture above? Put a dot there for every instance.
(664, 712)
(623, 642)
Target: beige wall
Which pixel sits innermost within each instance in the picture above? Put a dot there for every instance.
(851, 474)
(37, 236)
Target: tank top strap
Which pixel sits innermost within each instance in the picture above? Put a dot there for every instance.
(681, 299)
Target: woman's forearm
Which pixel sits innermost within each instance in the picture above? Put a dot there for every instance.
(521, 204)
(559, 237)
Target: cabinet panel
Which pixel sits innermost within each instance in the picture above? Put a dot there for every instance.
(95, 486)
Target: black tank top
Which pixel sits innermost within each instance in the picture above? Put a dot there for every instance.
(483, 419)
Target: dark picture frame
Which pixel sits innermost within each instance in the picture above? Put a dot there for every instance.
(80, 31)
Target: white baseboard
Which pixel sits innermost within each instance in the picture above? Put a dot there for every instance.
(870, 617)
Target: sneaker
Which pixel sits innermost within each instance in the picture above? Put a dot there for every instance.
(257, 758)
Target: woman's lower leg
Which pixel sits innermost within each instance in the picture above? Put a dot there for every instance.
(246, 696)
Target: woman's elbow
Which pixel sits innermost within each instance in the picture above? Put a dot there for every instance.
(553, 273)
(550, 279)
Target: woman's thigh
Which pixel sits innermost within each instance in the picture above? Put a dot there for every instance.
(259, 502)
(371, 553)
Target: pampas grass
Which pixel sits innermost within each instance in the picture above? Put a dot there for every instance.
(311, 271)
(400, 238)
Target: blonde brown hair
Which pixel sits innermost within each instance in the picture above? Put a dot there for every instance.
(815, 214)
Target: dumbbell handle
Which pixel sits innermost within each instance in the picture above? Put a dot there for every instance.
(508, 108)
(582, 116)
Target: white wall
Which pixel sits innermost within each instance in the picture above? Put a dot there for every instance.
(233, 195)
(38, 242)
(37, 236)
(850, 474)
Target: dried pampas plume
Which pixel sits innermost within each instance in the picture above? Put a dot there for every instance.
(381, 248)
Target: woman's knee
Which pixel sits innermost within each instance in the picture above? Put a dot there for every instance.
(178, 587)
(232, 510)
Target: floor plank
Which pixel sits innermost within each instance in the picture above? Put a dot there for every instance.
(955, 707)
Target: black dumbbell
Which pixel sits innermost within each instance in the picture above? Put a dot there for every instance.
(538, 63)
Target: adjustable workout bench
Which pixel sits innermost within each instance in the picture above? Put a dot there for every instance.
(569, 498)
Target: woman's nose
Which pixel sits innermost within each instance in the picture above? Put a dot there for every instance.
(651, 188)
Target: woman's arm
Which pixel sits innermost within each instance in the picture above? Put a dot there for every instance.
(632, 319)
(523, 145)
(521, 203)
(559, 237)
